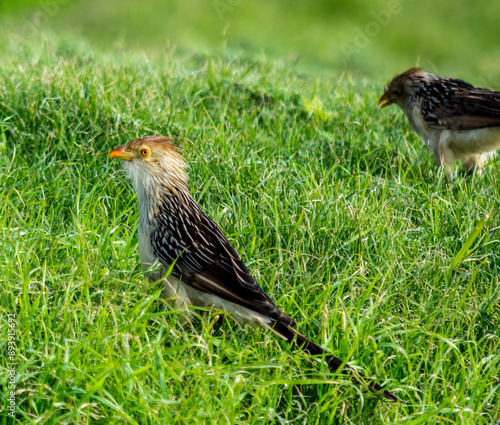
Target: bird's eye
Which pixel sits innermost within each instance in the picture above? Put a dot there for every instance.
(396, 92)
(145, 152)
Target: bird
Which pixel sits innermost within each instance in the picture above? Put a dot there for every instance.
(455, 119)
(205, 269)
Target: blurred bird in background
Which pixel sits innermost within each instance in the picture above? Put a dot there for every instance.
(455, 119)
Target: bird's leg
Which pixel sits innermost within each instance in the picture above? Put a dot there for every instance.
(174, 293)
(443, 156)
(473, 165)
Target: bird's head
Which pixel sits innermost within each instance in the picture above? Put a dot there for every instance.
(153, 164)
(401, 87)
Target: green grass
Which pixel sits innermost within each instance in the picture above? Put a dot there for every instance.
(333, 204)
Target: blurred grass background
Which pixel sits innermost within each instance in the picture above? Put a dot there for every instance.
(378, 37)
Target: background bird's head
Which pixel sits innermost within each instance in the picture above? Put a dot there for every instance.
(401, 87)
(154, 165)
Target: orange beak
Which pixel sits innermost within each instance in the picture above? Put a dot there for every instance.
(384, 101)
(121, 153)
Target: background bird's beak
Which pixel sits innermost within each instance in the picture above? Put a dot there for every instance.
(121, 153)
(384, 101)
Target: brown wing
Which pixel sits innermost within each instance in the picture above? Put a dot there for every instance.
(456, 105)
(206, 260)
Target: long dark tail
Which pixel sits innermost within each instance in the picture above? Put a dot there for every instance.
(310, 347)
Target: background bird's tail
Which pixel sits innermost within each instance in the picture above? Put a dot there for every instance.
(291, 335)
